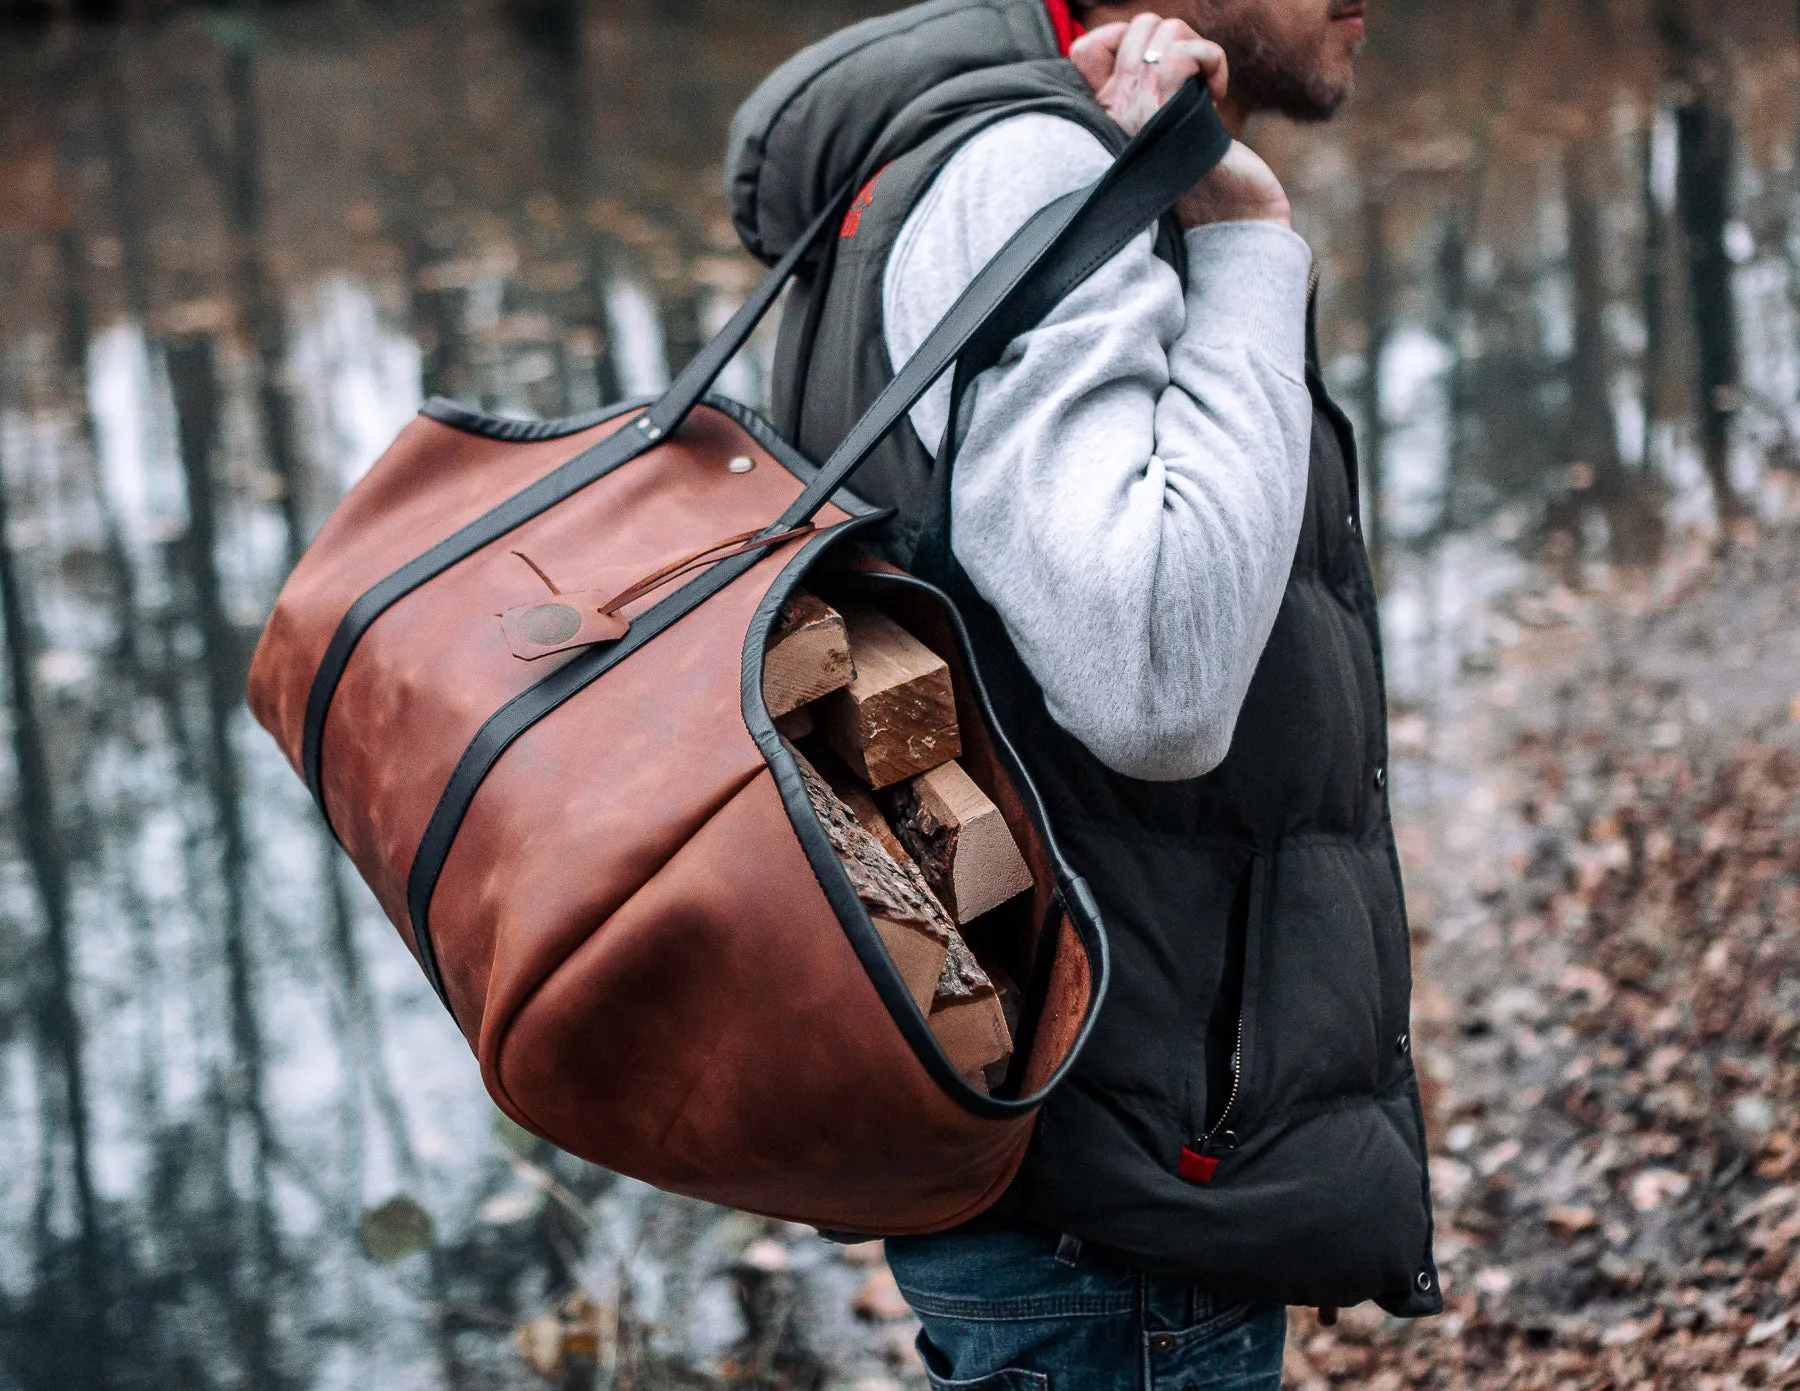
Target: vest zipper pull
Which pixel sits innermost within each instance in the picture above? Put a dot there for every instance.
(1200, 1162)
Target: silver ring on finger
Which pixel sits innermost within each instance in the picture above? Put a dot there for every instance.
(1152, 57)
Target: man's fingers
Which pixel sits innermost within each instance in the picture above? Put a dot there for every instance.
(1202, 56)
(1096, 53)
(1106, 38)
(1136, 43)
(1168, 34)
(1134, 68)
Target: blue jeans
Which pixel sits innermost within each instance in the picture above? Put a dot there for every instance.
(1009, 1308)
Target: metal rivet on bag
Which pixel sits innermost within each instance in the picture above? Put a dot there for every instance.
(742, 464)
(1424, 1282)
(1229, 1139)
(550, 624)
(1162, 1342)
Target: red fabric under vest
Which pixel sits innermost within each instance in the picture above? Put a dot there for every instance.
(1066, 26)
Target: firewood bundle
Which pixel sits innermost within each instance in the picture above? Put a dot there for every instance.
(871, 712)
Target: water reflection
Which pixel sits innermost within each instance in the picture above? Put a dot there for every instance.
(241, 245)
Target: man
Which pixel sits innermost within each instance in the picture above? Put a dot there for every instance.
(1147, 513)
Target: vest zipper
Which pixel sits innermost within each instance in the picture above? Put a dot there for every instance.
(1237, 1089)
(1201, 1162)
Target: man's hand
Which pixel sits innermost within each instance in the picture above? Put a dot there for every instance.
(1116, 61)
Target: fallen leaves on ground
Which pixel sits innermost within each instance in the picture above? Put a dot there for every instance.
(1619, 1196)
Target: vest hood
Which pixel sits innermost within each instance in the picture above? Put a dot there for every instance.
(817, 120)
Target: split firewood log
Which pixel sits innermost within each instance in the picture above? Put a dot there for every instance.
(969, 1020)
(898, 717)
(912, 924)
(960, 840)
(959, 999)
(854, 795)
(808, 655)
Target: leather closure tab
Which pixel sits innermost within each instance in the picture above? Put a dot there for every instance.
(561, 624)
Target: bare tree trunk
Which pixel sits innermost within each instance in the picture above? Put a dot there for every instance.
(555, 34)
(1453, 301)
(193, 377)
(1632, 505)
(1707, 145)
(1593, 436)
(1707, 141)
(79, 1334)
(1654, 292)
(1378, 324)
(261, 297)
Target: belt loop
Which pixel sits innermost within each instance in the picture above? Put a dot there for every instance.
(1068, 1250)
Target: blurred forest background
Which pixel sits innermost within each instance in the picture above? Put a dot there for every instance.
(242, 1146)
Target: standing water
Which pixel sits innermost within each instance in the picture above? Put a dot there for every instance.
(240, 1143)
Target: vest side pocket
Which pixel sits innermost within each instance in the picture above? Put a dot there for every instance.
(1323, 991)
(1232, 1030)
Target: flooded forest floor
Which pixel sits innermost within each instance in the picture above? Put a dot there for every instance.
(1604, 861)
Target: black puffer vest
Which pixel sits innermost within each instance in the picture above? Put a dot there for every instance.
(1246, 1115)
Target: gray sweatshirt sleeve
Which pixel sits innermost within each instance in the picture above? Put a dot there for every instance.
(1129, 492)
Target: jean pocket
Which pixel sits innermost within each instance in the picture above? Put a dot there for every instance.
(1237, 1349)
(1006, 1379)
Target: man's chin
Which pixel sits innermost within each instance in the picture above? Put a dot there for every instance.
(1307, 106)
(1309, 87)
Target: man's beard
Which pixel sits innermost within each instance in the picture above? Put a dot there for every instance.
(1264, 77)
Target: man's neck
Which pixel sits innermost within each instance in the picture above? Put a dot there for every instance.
(1232, 112)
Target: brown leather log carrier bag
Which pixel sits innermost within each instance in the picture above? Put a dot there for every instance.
(522, 671)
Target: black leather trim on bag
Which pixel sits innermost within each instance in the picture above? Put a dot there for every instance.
(514, 429)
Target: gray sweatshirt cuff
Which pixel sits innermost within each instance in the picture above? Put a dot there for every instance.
(1247, 284)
